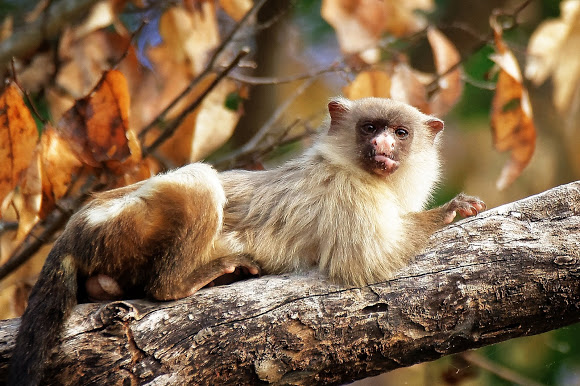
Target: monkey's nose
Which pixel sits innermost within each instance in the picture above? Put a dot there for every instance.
(384, 143)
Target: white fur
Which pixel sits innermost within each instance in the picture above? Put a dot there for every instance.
(194, 176)
(97, 215)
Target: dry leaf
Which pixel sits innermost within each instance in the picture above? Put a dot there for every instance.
(373, 83)
(14, 288)
(407, 86)
(38, 74)
(18, 138)
(400, 83)
(215, 122)
(206, 128)
(30, 196)
(511, 115)
(553, 50)
(450, 85)
(101, 15)
(59, 165)
(96, 125)
(6, 27)
(359, 24)
(236, 8)
(191, 35)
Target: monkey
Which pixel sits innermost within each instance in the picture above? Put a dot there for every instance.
(351, 206)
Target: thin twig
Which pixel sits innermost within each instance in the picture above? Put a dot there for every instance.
(494, 368)
(6, 226)
(172, 127)
(276, 18)
(52, 224)
(478, 83)
(26, 94)
(262, 80)
(134, 35)
(251, 145)
(520, 8)
(207, 70)
(283, 141)
(434, 85)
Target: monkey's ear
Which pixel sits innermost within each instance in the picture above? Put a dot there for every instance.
(435, 124)
(338, 109)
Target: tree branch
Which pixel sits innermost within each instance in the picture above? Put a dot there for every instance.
(509, 272)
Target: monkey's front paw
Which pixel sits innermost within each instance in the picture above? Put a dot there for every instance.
(465, 205)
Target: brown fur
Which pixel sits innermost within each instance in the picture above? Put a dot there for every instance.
(352, 206)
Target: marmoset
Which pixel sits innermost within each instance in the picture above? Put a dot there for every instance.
(351, 206)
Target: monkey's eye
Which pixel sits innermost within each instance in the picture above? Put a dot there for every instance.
(401, 132)
(369, 128)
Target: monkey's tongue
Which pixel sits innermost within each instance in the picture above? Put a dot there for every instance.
(388, 165)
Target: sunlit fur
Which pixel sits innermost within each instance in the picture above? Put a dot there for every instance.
(165, 237)
(323, 210)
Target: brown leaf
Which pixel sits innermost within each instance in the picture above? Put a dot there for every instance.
(372, 83)
(446, 57)
(59, 165)
(511, 115)
(553, 50)
(18, 138)
(27, 201)
(96, 125)
(236, 8)
(215, 122)
(15, 287)
(359, 24)
(408, 87)
(191, 34)
(401, 83)
(84, 59)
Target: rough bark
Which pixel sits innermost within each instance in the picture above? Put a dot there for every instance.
(509, 272)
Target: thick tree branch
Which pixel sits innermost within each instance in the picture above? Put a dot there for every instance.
(509, 272)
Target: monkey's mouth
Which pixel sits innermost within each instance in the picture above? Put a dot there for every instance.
(385, 164)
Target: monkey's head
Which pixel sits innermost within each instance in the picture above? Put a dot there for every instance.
(382, 135)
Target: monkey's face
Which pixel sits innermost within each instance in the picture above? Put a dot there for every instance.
(383, 145)
(381, 135)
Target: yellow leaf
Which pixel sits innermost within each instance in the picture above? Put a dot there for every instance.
(28, 206)
(406, 86)
(359, 24)
(553, 50)
(18, 138)
(236, 8)
(450, 85)
(215, 123)
(59, 165)
(96, 125)
(511, 115)
(369, 84)
(191, 34)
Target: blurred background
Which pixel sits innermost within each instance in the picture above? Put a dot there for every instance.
(302, 53)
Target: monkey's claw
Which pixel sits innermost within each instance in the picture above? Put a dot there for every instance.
(464, 205)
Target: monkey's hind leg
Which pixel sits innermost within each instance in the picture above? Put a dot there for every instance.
(223, 270)
(186, 206)
(163, 289)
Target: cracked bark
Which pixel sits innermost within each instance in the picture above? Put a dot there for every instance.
(509, 272)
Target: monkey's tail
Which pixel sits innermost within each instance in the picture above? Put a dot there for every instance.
(50, 303)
